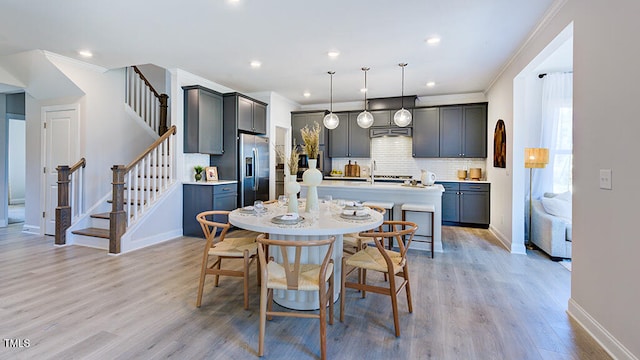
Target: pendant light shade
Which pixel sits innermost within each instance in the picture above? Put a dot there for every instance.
(365, 119)
(402, 117)
(331, 120)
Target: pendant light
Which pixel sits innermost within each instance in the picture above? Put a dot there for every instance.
(365, 119)
(331, 120)
(402, 117)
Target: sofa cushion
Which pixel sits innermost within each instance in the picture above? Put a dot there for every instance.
(557, 206)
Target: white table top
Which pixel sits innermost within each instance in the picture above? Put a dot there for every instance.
(327, 222)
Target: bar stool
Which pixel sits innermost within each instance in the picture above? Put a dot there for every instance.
(430, 210)
(388, 206)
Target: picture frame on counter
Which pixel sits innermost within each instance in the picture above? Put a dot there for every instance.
(211, 173)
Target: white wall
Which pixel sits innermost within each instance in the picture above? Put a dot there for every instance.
(604, 286)
(3, 162)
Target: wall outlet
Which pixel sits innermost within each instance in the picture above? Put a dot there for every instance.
(605, 179)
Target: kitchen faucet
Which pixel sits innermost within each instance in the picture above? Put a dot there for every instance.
(372, 167)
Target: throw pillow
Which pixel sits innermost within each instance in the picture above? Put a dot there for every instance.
(557, 207)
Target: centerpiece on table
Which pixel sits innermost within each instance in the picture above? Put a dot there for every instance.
(291, 187)
(312, 177)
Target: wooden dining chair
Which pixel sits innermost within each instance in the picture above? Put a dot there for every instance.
(223, 248)
(353, 242)
(389, 262)
(291, 274)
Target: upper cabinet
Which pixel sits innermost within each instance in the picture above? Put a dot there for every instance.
(251, 115)
(384, 118)
(349, 139)
(426, 132)
(300, 119)
(202, 120)
(463, 131)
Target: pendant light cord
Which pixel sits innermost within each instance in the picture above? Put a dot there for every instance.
(402, 65)
(365, 69)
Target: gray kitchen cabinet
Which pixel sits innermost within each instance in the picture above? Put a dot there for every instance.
(199, 198)
(466, 203)
(203, 114)
(463, 131)
(426, 132)
(384, 118)
(349, 139)
(300, 119)
(250, 114)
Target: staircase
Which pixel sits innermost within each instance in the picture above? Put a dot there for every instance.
(138, 185)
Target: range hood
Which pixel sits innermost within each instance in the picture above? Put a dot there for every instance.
(392, 131)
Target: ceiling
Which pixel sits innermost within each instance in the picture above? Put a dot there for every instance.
(217, 39)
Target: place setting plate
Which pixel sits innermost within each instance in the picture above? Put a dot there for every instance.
(280, 221)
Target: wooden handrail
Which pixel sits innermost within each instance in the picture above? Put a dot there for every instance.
(171, 131)
(81, 163)
(135, 68)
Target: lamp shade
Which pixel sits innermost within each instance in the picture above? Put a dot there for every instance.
(331, 121)
(536, 157)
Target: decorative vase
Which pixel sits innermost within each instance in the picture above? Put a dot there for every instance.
(312, 177)
(291, 188)
(198, 177)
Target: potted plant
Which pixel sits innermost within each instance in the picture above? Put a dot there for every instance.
(198, 170)
(312, 177)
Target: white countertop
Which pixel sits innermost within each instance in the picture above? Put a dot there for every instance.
(217, 182)
(465, 181)
(378, 186)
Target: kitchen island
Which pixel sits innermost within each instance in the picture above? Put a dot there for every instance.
(392, 192)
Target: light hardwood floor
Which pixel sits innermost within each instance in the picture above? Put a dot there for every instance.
(474, 301)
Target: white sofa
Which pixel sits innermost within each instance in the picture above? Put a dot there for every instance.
(549, 231)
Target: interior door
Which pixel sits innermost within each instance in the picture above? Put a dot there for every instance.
(60, 148)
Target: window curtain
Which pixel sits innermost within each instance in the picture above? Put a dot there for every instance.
(556, 135)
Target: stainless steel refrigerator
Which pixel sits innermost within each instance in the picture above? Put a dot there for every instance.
(254, 169)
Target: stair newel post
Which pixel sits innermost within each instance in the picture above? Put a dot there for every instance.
(164, 100)
(117, 217)
(63, 210)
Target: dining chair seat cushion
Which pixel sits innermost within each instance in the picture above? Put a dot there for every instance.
(370, 258)
(234, 247)
(308, 280)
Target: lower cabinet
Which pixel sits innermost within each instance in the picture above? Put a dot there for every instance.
(199, 198)
(466, 203)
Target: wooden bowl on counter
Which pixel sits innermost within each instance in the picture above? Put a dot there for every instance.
(475, 173)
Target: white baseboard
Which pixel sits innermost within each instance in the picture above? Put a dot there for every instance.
(3, 223)
(31, 229)
(513, 248)
(610, 344)
(131, 245)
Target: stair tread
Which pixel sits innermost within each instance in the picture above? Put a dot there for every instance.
(95, 232)
(104, 215)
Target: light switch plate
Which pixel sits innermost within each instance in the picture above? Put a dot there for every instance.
(605, 179)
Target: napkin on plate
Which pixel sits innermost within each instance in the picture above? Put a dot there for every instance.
(353, 203)
(354, 212)
(289, 216)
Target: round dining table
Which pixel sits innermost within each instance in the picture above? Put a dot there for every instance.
(322, 224)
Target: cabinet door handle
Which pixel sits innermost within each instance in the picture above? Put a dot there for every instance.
(226, 189)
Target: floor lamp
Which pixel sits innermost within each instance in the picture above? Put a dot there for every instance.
(534, 158)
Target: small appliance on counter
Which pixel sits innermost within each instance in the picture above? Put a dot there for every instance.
(427, 178)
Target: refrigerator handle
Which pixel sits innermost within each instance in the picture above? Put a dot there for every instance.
(255, 167)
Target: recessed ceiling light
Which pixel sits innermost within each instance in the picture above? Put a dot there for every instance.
(85, 53)
(431, 84)
(363, 90)
(256, 64)
(306, 94)
(333, 53)
(434, 40)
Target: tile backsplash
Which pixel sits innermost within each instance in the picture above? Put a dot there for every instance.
(393, 157)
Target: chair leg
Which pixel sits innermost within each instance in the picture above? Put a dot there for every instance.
(364, 282)
(394, 303)
(342, 289)
(270, 302)
(407, 288)
(203, 273)
(331, 287)
(217, 277)
(263, 318)
(323, 321)
(433, 231)
(245, 276)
